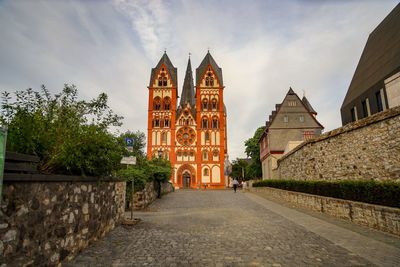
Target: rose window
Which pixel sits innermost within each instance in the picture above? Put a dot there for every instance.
(186, 136)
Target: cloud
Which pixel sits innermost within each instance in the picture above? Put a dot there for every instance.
(149, 20)
(263, 47)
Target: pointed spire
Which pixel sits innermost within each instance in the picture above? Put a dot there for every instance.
(170, 68)
(201, 70)
(188, 87)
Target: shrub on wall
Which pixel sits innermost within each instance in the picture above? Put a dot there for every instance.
(380, 193)
(70, 136)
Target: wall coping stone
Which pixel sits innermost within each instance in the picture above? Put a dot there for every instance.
(340, 200)
(383, 218)
(378, 117)
(24, 177)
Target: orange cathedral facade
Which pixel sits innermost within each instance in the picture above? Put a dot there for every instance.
(189, 130)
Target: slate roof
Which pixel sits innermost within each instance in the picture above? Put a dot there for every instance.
(380, 57)
(170, 68)
(208, 60)
(271, 117)
(188, 87)
(308, 105)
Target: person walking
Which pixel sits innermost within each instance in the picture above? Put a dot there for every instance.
(235, 184)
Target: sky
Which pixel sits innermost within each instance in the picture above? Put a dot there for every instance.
(263, 47)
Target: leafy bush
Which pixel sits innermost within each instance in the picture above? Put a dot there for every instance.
(158, 170)
(70, 136)
(381, 193)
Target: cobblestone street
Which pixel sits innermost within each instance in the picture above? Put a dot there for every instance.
(221, 228)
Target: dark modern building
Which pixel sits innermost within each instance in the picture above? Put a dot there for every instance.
(376, 82)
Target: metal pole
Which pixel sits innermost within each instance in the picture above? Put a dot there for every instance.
(133, 196)
(3, 142)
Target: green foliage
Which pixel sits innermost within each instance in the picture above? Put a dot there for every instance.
(254, 169)
(70, 136)
(139, 142)
(146, 171)
(239, 169)
(381, 193)
(160, 169)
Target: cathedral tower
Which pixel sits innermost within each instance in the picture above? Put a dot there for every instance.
(161, 111)
(194, 140)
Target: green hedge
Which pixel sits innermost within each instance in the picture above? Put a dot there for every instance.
(381, 193)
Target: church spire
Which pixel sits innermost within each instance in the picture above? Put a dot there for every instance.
(188, 87)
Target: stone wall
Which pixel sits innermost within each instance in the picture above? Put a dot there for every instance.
(145, 197)
(44, 222)
(374, 216)
(365, 149)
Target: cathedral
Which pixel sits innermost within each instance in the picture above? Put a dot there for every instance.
(189, 130)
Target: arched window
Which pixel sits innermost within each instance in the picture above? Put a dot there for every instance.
(209, 78)
(206, 172)
(156, 122)
(216, 154)
(207, 136)
(164, 137)
(205, 104)
(204, 123)
(167, 103)
(215, 122)
(214, 104)
(166, 122)
(157, 103)
(205, 155)
(165, 81)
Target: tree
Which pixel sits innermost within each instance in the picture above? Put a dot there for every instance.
(254, 169)
(239, 169)
(69, 136)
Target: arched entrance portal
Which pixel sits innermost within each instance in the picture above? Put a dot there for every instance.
(186, 179)
(186, 176)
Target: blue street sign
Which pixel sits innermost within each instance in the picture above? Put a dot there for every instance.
(128, 141)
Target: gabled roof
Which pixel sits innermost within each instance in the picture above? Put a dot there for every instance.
(208, 60)
(279, 106)
(308, 105)
(380, 57)
(170, 68)
(188, 88)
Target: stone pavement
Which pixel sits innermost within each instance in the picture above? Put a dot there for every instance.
(221, 228)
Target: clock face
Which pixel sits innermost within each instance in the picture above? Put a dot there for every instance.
(186, 136)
